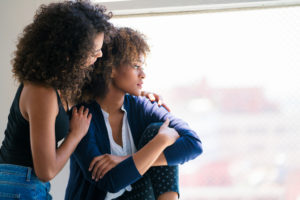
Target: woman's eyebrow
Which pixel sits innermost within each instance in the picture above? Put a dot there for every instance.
(139, 62)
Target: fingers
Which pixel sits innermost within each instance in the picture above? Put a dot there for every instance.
(159, 102)
(80, 121)
(96, 159)
(157, 98)
(74, 110)
(97, 168)
(100, 166)
(151, 97)
(90, 117)
(166, 107)
(105, 170)
(81, 109)
(86, 112)
(101, 170)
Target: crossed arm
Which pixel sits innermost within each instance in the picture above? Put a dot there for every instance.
(118, 172)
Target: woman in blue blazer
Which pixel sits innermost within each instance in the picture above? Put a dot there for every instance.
(133, 146)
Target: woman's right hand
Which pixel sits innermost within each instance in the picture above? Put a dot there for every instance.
(80, 122)
(169, 134)
(100, 165)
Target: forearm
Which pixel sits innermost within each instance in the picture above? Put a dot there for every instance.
(64, 151)
(48, 160)
(150, 154)
(160, 161)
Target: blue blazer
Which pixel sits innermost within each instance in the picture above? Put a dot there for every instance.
(141, 113)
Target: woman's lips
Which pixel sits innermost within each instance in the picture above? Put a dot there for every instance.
(140, 85)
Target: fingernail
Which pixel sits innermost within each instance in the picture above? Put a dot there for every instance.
(151, 96)
(93, 177)
(159, 102)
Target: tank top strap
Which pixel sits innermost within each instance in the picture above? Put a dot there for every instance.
(68, 106)
(60, 102)
(59, 99)
(18, 94)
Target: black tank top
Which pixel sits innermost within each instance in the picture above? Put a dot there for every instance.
(15, 147)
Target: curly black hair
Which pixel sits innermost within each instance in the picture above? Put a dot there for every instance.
(53, 49)
(123, 46)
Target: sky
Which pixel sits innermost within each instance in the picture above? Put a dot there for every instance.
(244, 48)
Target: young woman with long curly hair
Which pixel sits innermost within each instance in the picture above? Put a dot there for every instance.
(54, 57)
(133, 146)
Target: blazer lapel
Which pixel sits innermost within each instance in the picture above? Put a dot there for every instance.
(101, 133)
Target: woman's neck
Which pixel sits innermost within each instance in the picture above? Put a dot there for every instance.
(112, 101)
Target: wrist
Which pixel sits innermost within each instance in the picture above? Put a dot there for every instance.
(162, 139)
(74, 135)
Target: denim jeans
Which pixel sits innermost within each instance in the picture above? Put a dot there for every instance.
(19, 182)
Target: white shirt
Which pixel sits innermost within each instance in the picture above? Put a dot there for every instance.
(127, 149)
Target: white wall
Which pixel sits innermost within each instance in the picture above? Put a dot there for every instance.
(14, 16)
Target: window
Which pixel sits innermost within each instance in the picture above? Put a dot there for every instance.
(234, 77)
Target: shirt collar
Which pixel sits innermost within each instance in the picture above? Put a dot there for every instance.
(106, 115)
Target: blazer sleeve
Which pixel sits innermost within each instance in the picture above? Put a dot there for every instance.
(123, 174)
(187, 147)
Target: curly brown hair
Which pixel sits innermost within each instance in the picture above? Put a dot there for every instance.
(53, 49)
(123, 46)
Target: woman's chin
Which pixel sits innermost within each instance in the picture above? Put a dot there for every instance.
(135, 93)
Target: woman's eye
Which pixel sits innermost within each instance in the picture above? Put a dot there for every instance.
(136, 67)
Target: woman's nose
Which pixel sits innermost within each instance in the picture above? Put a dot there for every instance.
(98, 54)
(142, 73)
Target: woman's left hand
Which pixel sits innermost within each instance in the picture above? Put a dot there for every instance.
(100, 165)
(155, 97)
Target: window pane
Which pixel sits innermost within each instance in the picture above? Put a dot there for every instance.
(234, 77)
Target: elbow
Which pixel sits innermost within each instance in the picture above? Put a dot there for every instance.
(198, 148)
(45, 176)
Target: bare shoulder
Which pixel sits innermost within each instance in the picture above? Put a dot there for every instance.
(39, 92)
(37, 97)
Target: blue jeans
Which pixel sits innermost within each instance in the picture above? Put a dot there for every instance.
(19, 182)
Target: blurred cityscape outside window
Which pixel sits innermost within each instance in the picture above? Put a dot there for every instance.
(234, 76)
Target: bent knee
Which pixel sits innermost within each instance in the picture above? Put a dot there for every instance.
(155, 125)
(149, 133)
